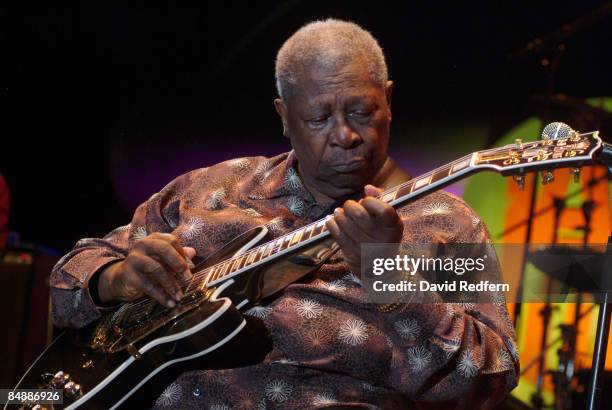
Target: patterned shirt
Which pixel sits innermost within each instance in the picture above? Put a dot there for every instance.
(330, 346)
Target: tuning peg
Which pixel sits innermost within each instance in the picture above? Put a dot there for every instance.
(520, 181)
(574, 136)
(519, 143)
(547, 177)
(576, 174)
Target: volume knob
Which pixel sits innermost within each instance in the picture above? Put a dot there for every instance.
(60, 379)
(72, 389)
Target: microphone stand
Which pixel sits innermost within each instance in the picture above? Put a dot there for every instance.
(594, 390)
(536, 398)
(605, 311)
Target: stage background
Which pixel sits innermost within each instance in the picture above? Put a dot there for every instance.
(108, 103)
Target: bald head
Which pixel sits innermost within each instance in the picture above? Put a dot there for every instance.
(329, 44)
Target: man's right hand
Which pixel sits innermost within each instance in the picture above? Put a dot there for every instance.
(156, 266)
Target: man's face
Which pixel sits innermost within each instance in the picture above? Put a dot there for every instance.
(338, 123)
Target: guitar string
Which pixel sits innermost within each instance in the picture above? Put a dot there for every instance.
(145, 304)
(207, 272)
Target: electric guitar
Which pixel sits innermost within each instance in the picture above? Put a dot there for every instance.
(114, 360)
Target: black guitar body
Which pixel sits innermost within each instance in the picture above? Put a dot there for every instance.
(205, 332)
(203, 337)
(107, 378)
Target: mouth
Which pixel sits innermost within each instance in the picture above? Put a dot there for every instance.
(352, 164)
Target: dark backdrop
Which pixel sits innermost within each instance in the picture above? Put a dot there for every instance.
(106, 103)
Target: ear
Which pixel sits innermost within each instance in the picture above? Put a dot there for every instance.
(388, 92)
(281, 109)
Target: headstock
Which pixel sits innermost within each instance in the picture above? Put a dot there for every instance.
(560, 147)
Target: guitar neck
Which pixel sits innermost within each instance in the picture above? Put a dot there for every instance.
(513, 159)
(431, 181)
(317, 231)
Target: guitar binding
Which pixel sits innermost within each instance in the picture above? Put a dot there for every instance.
(134, 321)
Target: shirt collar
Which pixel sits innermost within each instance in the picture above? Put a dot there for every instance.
(283, 180)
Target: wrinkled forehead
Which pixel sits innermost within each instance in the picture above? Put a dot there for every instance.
(319, 84)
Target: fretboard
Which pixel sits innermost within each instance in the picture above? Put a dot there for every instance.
(315, 231)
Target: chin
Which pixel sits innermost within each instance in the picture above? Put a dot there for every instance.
(349, 182)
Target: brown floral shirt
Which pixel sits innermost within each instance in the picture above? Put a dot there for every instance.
(331, 347)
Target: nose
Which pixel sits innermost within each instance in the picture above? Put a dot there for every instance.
(344, 136)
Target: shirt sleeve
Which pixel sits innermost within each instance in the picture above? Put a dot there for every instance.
(456, 355)
(72, 302)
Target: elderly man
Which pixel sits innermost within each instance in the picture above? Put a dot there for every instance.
(330, 347)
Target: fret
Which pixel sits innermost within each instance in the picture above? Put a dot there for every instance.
(215, 273)
(256, 255)
(211, 272)
(223, 270)
(232, 264)
(318, 228)
(251, 257)
(260, 253)
(286, 241)
(390, 196)
(297, 237)
(240, 264)
(464, 163)
(308, 232)
(207, 278)
(404, 190)
(421, 183)
(268, 250)
(277, 245)
(324, 227)
(440, 174)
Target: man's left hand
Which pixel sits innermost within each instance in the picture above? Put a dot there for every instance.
(368, 221)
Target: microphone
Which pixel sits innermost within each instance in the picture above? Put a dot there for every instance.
(556, 130)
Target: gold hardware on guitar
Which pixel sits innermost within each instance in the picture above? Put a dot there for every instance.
(519, 143)
(547, 177)
(520, 181)
(133, 351)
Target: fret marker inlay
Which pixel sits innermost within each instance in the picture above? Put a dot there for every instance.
(460, 165)
(421, 183)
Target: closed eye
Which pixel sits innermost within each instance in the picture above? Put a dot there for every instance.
(318, 121)
(361, 113)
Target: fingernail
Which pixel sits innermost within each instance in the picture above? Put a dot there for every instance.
(171, 303)
(336, 211)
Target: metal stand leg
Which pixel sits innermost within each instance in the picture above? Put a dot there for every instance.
(599, 354)
(601, 342)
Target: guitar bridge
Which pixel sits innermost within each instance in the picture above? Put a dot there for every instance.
(133, 351)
